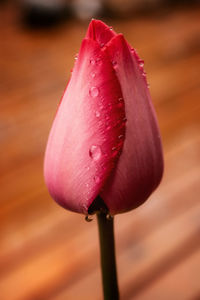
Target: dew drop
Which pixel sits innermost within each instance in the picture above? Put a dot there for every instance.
(120, 144)
(109, 106)
(101, 107)
(76, 57)
(95, 152)
(114, 63)
(108, 128)
(141, 63)
(84, 207)
(120, 136)
(114, 153)
(97, 113)
(114, 148)
(102, 45)
(97, 179)
(94, 92)
(93, 75)
(120, 99)
(99, 61)
(92, 61)
(144, 74)
(111, 28)
(88, 218)
(120, 104)
(109, 217)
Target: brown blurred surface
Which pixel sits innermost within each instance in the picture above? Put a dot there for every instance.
(48, 253)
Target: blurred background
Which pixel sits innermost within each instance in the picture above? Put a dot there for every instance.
(47, 253)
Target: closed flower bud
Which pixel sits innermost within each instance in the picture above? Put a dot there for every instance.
(105, 139)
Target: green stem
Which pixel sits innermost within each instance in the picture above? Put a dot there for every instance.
(108, 263)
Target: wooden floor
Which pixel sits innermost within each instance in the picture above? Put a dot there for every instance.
(47, 253)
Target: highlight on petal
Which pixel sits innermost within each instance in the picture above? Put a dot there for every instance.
(88, 132)
(140, 166)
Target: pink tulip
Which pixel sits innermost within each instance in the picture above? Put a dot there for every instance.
(105, 138)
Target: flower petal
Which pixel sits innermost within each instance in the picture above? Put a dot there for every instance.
(88, 131)
(100, 32)
(140, 166)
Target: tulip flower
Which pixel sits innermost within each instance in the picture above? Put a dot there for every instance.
(105, 139)
(104, 152)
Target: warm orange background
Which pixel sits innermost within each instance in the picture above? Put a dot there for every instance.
(47, 253)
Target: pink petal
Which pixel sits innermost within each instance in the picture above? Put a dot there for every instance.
(88, 131)
(140, 166)
(100, 32)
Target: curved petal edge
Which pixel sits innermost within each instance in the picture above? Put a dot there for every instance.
(140, 166)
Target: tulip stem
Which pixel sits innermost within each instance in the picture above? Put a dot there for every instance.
(107, 251)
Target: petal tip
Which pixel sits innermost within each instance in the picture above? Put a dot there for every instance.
(99, 32)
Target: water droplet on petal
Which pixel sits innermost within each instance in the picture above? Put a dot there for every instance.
(102, 45)
(120, 144)
(109, 106)
(76, 57)
(95, 152)
(84, 207)
(114, 63)
(141, 63)
(92, 61)
(114, 153)
(144, 74)
(108, 127)
(97, 179)
(97, 113)
(114, 148)
(93, 74)
(120, 105)
(118, 122)
(120, 99)
(99, 61)
(94, 92)
(120, 136)
(111, 28)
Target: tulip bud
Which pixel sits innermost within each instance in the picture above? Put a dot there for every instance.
(104, 142)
